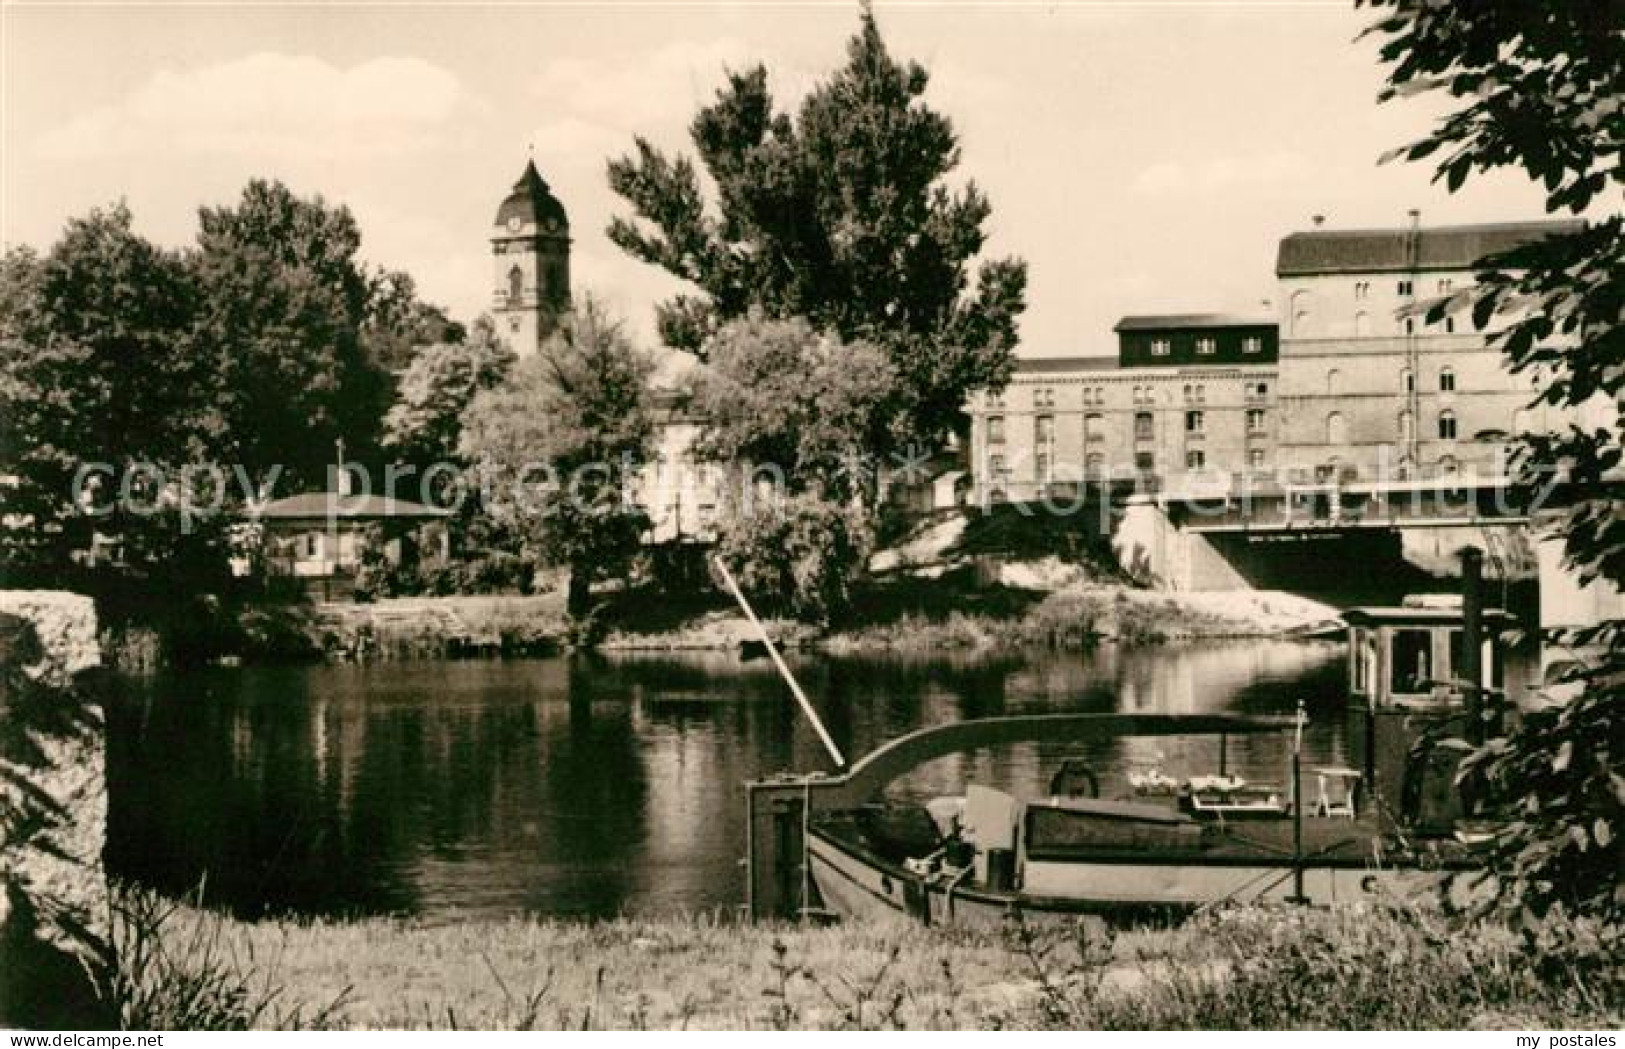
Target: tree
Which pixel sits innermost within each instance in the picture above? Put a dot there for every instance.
(98, 370)
(785, 409)
(424, 423)
(558, 445)
(1538, 88)
(285, 302)
(777, 395)
(841, 216)
(399, 324)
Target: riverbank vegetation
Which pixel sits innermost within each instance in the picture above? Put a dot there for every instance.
(1353, 968)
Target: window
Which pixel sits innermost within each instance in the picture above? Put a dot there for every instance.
(1336, 429)
(1161, 347)
(1145, 462)
(1094, 427)
(1362, 289)
(1195, 422)
(1444, 285)
(1334, 380)
(1195, 460)
(1255, 458)
(1406, 427)
(1447, 425)
(1362, 323)
(1410, 325)
(1041, 468)
(1044, 429)
(1144, 426)
(1201, 393)
(995, 429)
(1407, 381)
(1450, 324)
(1252, 344)
(1302, 305)
(516, 284)
(1255, 420)
(1447, 380)
(1187, 391)
(1404, 288)
(1257, 391)
(312, 544)
(1412, 655)
(997, 467)
(1206, 345)
(1043, 397)
(995, 400)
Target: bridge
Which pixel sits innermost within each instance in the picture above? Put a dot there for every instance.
(1264, 534)
(1270, 506)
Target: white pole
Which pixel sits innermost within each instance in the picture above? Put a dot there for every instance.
(778, 661)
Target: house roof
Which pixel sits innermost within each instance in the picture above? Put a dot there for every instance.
(1166, 321)
(1406, 616)
(532, 202)
(325, 505)
(1052, 365)
(1315, 252)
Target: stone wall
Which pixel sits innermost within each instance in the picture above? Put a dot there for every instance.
(54, 909)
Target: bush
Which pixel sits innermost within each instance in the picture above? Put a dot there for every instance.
(796, 554)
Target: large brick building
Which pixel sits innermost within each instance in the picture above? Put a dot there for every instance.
(1361, 385)
(1369, 388)
(1184, 395)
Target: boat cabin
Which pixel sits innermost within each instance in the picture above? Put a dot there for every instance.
(1410, 657)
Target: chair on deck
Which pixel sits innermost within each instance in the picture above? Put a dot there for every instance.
(1338, 790)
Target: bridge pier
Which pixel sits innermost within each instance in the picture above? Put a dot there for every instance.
(1151, 546)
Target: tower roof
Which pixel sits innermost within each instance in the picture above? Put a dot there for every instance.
(532, 202)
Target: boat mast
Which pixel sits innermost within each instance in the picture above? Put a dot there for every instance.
(778, 661)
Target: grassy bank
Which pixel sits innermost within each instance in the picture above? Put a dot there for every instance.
(1242, 969)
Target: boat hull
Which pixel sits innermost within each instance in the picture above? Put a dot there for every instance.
(857, 884)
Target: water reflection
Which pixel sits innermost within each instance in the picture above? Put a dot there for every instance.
(598, 786)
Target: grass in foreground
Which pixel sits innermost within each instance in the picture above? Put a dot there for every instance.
(1249, 968)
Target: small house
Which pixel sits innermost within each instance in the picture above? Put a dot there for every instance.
(321, 538)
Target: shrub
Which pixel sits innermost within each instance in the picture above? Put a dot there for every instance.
(796, 554)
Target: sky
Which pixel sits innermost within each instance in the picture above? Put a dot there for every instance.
(1143, 157)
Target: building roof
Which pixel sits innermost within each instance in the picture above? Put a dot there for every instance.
(324, 505)
(532, 202)
(1315, 252)
(1052, 365)
(1168, 321)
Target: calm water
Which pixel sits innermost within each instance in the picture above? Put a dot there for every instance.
(600, 786)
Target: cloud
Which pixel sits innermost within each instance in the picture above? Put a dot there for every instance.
(1222, 173)
(290, 106)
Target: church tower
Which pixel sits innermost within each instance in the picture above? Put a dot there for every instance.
(531, 249)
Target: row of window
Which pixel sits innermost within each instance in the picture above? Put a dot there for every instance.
(1206, 345)
(1094, 464)
(1302, 306)
(1406, 288)
(1144, 426)
(1044, 396)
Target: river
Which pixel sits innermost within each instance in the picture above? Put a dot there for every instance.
(593, 787)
